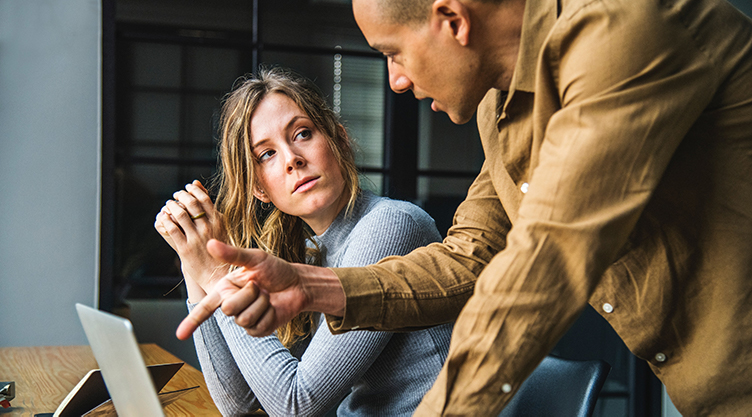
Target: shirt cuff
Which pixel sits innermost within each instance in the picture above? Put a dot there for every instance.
(364, 300)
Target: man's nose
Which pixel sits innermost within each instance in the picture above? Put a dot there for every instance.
(398, 81)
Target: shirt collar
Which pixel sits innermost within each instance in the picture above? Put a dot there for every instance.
(538, 20)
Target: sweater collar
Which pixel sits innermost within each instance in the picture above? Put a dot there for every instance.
(336, 235)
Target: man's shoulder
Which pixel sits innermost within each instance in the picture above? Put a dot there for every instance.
(569, 8)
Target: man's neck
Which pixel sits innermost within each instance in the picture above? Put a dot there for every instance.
(498, 34)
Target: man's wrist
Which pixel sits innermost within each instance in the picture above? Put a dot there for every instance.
(323, 290)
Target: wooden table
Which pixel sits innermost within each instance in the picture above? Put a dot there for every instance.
(45, 375)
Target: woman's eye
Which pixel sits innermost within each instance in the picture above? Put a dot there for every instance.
(263, 156)
(304, 134)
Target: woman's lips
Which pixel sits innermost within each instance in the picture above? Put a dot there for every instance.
(305, 184)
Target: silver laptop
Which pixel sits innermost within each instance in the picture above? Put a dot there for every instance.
(114, 345)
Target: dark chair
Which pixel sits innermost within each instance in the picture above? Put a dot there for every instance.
(559, 387)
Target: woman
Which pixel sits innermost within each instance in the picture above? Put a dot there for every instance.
(289, 186)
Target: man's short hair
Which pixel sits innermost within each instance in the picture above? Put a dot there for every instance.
(407, 12)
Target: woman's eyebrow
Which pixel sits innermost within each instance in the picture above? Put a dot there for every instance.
(259, 143)
(293, 120)
(288, 126)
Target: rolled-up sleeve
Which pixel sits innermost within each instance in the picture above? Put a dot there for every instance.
(430, 285)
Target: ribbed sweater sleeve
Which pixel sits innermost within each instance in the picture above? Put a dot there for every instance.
(228, 389)
(242, 371)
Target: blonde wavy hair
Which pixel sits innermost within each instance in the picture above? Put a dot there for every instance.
(249, 224)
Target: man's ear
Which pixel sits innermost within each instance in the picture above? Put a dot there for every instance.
(259, 193)
(454, 16)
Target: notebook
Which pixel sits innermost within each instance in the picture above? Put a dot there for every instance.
(130, 384)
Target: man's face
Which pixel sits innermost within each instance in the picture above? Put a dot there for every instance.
(426, 61)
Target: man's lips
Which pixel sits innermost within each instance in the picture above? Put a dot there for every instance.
(305, 184)
(434, 104)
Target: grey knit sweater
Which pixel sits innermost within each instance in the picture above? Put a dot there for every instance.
(377, 373)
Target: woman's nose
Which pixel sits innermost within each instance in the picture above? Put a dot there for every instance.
(294, 161)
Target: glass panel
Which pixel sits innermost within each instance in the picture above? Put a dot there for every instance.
(155, 64)
(212, 68)
(154, 150)
(215, 14)
(155, 117)
(140, 250)
(319, 68)
(440, 198)
(432, 187)
(372, 181)
(161, 181)
(361, 104)
(444, 145)
(201, 119)
(316, 24)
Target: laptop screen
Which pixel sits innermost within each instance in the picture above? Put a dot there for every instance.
(114, 345)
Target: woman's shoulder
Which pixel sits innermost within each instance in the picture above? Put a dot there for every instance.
(383, 211)
(380, 207)
(382, 227)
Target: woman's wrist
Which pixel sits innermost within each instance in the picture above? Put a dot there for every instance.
(195, 292)
(206, 281)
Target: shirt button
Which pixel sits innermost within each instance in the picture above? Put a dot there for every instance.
(524, 187)
(660, 357)
(506, 388)
(608, 308)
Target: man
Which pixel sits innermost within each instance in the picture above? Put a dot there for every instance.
(618, 138)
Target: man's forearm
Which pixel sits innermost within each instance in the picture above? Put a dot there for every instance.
(323, 290)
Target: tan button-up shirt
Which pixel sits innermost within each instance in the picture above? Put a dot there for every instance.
(618, 172)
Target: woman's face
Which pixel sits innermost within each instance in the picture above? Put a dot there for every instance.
(295, 168)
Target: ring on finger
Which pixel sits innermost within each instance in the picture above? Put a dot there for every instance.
(198, 216)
